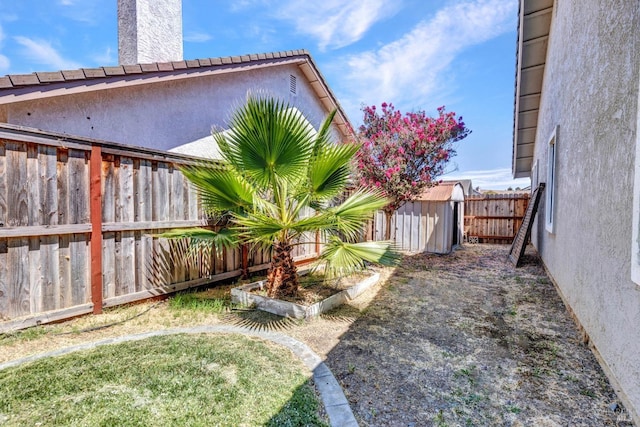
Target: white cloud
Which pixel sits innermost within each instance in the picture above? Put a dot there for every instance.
(107, 57)
(241, 5)
(5, 63)
(335, 23)
(41, 52)
(196, 37)
(88, 12)
(416, 66)
(493, 179)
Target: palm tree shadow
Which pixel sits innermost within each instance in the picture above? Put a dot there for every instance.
(257, 320)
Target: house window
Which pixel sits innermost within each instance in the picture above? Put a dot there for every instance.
(550, 205)
(293, 88)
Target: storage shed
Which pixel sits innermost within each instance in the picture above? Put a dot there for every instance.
(431, 223)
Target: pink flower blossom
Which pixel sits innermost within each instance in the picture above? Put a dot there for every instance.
(401, 154)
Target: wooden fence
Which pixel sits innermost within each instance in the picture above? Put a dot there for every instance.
(79, 220)
(494, 218)
(77, 225)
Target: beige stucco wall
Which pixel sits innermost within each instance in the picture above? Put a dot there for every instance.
(164, 114)
(149, 31)
(590, 91)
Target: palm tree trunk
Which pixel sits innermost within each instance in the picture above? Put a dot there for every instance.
(282, 279)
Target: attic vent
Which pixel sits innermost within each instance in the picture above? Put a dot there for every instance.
(292, 85)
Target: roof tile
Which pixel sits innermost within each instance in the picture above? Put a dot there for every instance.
(149, 68)
(114, 71)
(50, 76)
(165, 66)
(70, 75)
(132, 69)
(24, 79)
(94, 73)
(5, 82)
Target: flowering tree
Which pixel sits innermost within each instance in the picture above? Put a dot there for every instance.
(404, 154)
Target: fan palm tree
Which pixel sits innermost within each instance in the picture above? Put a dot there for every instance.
(274, 167)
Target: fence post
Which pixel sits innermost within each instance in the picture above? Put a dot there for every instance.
(245, 261)
(95, 191)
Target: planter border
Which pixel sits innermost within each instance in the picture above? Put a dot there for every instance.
(242, 295)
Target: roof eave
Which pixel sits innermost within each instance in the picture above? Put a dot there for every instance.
(534, 25)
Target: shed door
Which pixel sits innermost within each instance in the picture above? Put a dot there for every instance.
(456, 223)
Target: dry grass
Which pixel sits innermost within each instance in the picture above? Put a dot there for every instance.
(461, 339)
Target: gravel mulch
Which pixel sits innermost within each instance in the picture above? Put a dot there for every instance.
(466, 339)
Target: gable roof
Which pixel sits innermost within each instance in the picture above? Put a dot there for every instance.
(22, 87)
(443, 192)
(534, 25)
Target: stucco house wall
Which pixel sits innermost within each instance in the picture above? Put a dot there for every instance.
(590, 99)
(162, 113)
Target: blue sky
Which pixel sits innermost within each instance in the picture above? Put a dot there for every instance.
(416, 54)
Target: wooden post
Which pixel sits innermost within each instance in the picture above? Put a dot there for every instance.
(95, 190)
(245, 261)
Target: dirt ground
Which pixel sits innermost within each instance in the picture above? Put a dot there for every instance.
(459, 340)
(467, 339)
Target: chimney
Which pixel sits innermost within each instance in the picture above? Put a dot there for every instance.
(149, 31)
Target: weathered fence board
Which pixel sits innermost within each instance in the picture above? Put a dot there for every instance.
(46, 232)
(3, 185)
(4, 284)
(494, 218)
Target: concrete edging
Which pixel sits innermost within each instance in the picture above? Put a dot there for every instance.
(242, 295)
(333, 398)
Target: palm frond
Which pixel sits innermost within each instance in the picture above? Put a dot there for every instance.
(323, 137)
(258, 227)
(343, 257)
(201, 237)
(329, 171)
(269, 139)
(220, 188)
(353, 213)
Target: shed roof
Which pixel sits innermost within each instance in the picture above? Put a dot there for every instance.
(22, 87)
(534, 25)
(443, 192)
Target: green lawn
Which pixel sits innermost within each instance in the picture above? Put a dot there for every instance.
(186, 380)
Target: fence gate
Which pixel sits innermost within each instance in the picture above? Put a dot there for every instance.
(494, 218)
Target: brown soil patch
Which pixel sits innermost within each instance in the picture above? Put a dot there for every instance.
(460, 339)
(467, 340)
